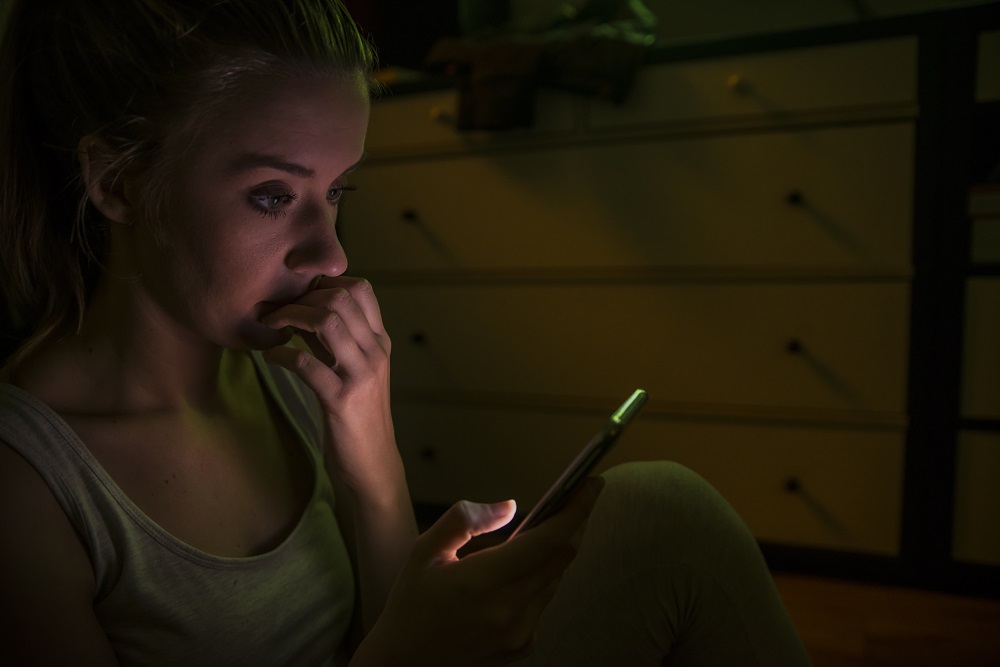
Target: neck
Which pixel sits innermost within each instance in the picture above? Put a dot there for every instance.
(130, 356)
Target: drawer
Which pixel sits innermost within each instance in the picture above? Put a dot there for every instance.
(848, 483)
(984, 212)
(986, 240)
(977, 498)
(817, 346)
(988, 67)
(981, 368)
(426, 121)
(837, 197)
(686, 22)
(828, 78)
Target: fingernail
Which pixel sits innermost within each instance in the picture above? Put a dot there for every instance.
(502, 508)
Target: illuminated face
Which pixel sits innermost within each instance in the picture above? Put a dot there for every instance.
(251, 211)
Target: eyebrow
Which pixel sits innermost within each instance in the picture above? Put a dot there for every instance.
(247, 161)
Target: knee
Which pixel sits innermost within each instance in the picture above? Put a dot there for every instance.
(651, 474)
(660, 485)
(666, 501)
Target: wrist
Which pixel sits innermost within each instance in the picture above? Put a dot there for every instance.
(383, 488)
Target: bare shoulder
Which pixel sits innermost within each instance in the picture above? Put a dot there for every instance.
(46, 581)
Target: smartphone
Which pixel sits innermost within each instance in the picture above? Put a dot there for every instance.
(584, 463)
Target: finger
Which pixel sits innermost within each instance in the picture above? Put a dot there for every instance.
(317, 347)
(568, 518)
(321, 315)
(362, 293)
(531, 551)
(342, 301)
(339, 344)
(373, 341)
(311, 370)
(526, 566)
(463, 521)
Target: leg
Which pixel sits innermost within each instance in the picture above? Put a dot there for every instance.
(667, 574)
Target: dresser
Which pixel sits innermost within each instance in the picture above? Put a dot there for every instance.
(977, 497)
(737, 239)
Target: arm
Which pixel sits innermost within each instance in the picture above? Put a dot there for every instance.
(420, 603)
(379, 531)
(481, 609)
(347, 366)
(46, 581)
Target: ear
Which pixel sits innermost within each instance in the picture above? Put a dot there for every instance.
(105, 185)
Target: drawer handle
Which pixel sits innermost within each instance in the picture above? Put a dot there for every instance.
(442, 115)
(824, 372)
(738, 84)
(412, 217)
(428, 454)
(418, 338)
(793, 486)
(834, 229)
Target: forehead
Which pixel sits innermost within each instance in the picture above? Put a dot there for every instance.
(305, 118)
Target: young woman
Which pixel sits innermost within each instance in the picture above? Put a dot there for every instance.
(197, 459)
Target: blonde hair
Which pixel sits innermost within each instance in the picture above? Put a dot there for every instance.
(138, 74)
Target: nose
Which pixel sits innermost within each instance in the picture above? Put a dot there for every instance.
(317, 249)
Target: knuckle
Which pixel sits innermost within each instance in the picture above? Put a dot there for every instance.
(465, 509)
(330, 321)
(302, 361)
(363, 287)
(380, 361)
(339, 295)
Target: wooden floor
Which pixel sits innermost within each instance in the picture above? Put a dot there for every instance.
(849, 624)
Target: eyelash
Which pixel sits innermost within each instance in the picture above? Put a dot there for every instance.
(333, 197)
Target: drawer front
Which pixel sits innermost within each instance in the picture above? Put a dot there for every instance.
(981, 369)
(427, 121)
(839, 347)
(988, 67)
(977, 498)
(986, 239)
(838, 197)
(848, 483)
(775, 84)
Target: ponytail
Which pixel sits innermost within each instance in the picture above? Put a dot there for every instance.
(47, 267)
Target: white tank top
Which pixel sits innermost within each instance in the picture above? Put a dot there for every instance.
(163, 602)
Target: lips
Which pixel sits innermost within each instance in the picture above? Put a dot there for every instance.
(282, 299)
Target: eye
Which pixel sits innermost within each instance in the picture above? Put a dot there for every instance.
(334, 194)
(273, 203)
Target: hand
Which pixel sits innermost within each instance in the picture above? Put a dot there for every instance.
(347, 366)
(481, 609)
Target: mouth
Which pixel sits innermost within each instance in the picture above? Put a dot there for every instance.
(265, 308)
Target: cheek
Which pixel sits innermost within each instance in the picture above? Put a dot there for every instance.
(224, 253)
